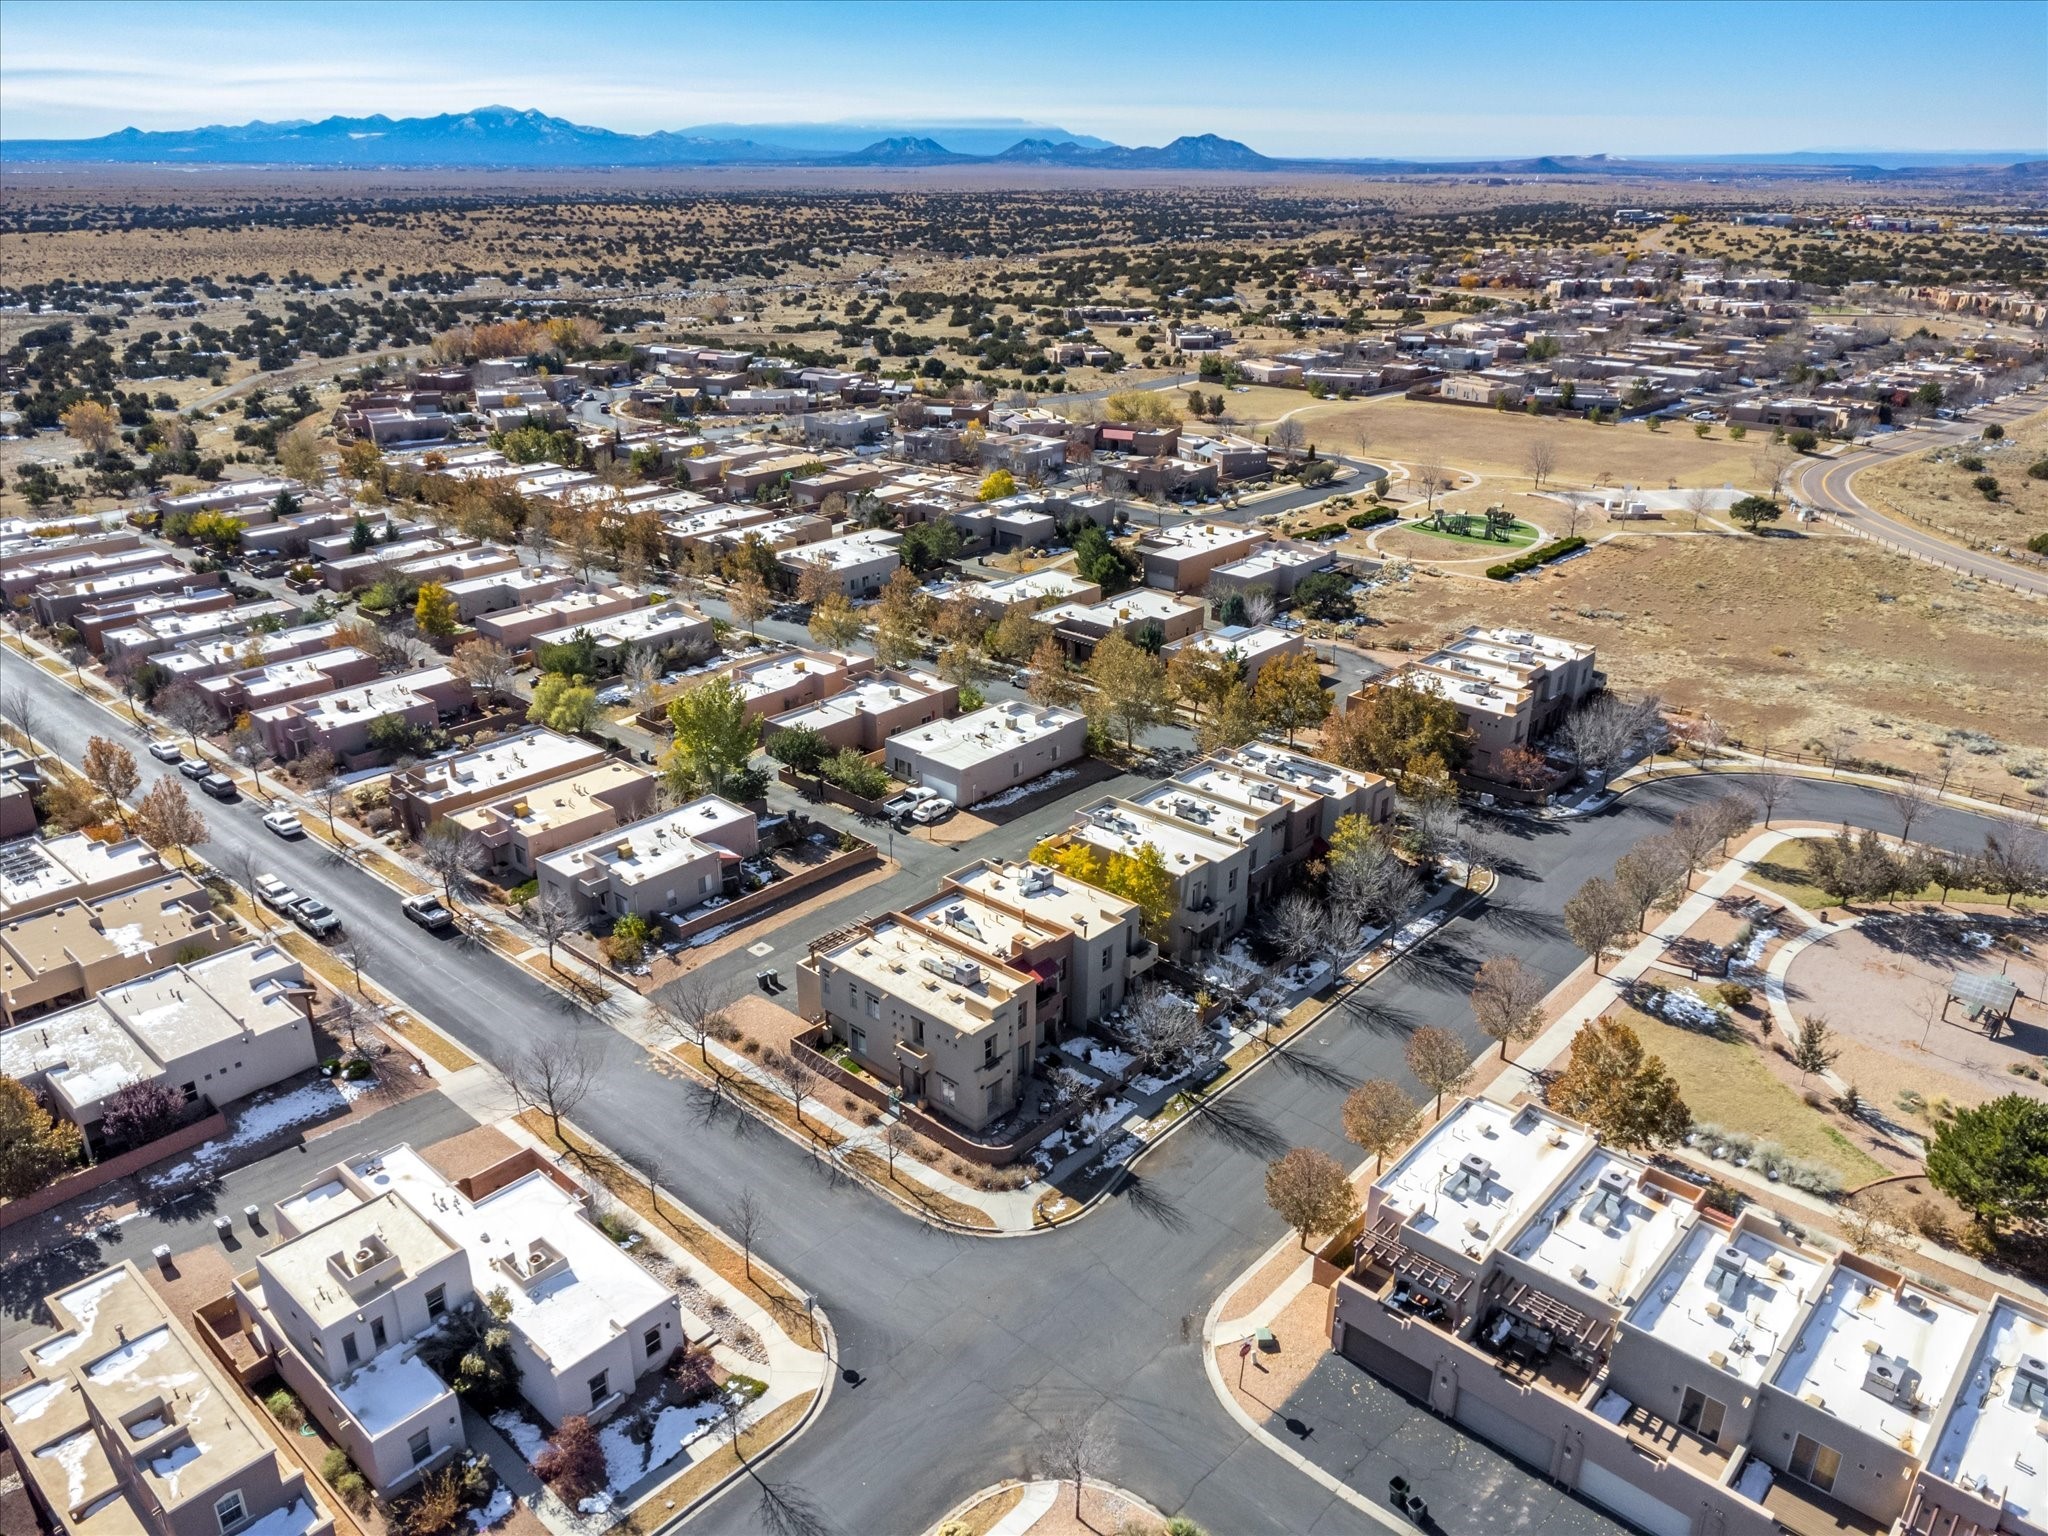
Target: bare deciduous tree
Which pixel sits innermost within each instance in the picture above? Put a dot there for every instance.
(897, 1138)
(1432, 480)
(642, 676)
(744, 1220)
(1699, 501)
(1769, 786)
(1909, 802)
(1297, 926)
(25, 713)
(188, 710)
(454, 854)
(552, 917)
(796, 1080)
(1258, 606)
(239, 865)
(1076, 1451)
(1506, 999)
(359, 949)
(554, 1076)
(1539, 459)
(1161, 1028)
(696, 1010)
(1595, 916)
(1287, 436)
(1650, 875)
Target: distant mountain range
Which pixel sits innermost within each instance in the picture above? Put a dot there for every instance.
(495, 138)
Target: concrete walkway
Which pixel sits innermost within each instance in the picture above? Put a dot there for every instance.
(1038, 1498)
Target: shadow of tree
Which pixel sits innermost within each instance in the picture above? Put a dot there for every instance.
(1152, 1205)
(1237, 1125)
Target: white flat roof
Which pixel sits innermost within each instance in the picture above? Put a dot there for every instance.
(630, 626)
(567, 1316)
(1225, 820)
(1049, 896)
(1727, 1299)
(646, 850)
(848, 550)
(1274, 557)
(1992, 1444)
(1035, 586)
(1125, 829)
(82, 1048)
(1310, 773)
(1132, 607)
(383, 696)
(986, 733)
(1604, 1230)
(32, 870)
(185, 1008)
(1916, 1348)
(1239, 642)
(776, 673)
(867, 695)
(522, 756)
(1476, 1176)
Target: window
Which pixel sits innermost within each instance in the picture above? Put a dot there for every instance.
(874, 1006)
(1107, 955)
(420, 1445)
(1233, 881)
(1104, 1000)
(917, 1031)
(600, 1387)
(1816, 1463)
(653, 1342)
(349, 1352)
(988, 1051)
(229, 1510)
(377, 1333)
(860, 1040)
(1701, 1414)
(437, 1301)
(191, 1092)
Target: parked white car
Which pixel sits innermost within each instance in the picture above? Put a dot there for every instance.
(284, 822)
(936, 809)
(166, 751)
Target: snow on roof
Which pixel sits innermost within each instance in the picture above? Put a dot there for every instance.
(986, 733)
(389, 1388)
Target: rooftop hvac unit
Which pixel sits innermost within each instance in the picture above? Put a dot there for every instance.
(962, 973)
(1885, 1377)
(1725, 1275)
(1035, 881)
(365, 1258)
(1469, 1178)
(2030, 1383)
(1265, 792)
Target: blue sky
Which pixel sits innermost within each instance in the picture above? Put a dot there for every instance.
(1290, 79)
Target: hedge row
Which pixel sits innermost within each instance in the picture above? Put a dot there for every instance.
(1327, 531)
(1554, 550)
(1371, 519)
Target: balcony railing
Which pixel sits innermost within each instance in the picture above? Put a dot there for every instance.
(1140, 958)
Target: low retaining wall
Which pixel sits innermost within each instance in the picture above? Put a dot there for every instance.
(825, 789)
(72, 1185)
(993, 1155)
(744, 906)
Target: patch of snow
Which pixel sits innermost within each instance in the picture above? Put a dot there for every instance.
(70, 1453)
(499, 1507)
(294, 1519)
(31, 1400)
(263, 1119)
(1101, 1118)
(517, 1428)
(119, 1364)
(174, 1461)
(389, 1388)
(1746, 958)
(1027, 789)
(1977, 939)
(1103, 1058)
(1150, 1085)
(1688, 1009)
(627, 1461)
(1118, 1151)
(714, 932)
(128, 939)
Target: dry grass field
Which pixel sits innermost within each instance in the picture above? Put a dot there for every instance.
(1784, 640)
(1935, 491)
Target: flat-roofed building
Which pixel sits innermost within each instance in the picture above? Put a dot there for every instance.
(861, 563)
(1509, 687)
(1105, 950)
(518, 587)
(863, 716)
(1182, 558)
(55, 603)
(515, 628)
(518, 829)
(931, 1015)
(1262, 828)
(1249, 647)
(126, 1427)
(1340, 791)
(196, 661)
(1032, 592)
(222, 1027)
(36, 874)
(667, 863)
(280, 682)
(1278, 566)
(1852, 1405)
(1211, 874)
(164, 633)
(1080, 627)
(788, 680)
(339, 722)
(669, 626)
(1986, 1469)
(20, 780)
(67, 953)
(975, 756)
(526, 759)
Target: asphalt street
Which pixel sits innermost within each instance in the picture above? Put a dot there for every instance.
(962, 1350)
(1830, 485)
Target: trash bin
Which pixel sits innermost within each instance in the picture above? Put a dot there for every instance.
(1397, 1492)
(1418, 1509)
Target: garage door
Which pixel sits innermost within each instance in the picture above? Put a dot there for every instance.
(1390, 1365)
(1525, 1442)
(1610, 1491)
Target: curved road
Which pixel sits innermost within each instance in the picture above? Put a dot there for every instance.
(965, 1349)
(1829, 484)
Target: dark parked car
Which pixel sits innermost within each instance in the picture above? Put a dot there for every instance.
(220, 786)
(315, 916)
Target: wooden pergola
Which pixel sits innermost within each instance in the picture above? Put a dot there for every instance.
(1987, 998)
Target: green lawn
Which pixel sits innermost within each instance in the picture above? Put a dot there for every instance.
(1726, 1083)
(1785, 870)
(1520, 535)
